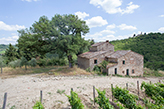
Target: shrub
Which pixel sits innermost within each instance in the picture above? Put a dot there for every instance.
(96, 69)
(14, 64)
(41, 62)
(33, 62)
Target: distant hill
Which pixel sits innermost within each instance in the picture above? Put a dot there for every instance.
(3, 48)
(150, 45)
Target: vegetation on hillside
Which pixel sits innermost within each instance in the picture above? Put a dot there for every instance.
(151, 46)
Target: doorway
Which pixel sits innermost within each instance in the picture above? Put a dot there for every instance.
(127, 72)
(115, 71)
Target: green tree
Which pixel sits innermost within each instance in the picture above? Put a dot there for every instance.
(70, 30)
(11, 54)
(61, 35)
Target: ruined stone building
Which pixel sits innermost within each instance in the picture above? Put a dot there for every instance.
(122, 62)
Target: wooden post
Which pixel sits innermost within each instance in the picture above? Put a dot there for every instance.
(94, 94)
(138, 87)
(112, 91)
(4, 101)
(127, 86)
(150, 82)
(159, 81)
(41, 96)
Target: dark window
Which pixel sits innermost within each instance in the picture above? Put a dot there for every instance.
(132, 70)
(123, 62)
(95, 61)
(123, 72)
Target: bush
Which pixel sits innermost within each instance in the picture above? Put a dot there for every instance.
(96, 69)
(33, 62)
(14, 64)
(88, 69)
(42, 62)
(56, 61)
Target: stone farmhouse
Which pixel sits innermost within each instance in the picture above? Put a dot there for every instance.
(122, 62)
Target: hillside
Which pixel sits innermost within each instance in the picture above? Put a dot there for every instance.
(150, 45)
(3, 48)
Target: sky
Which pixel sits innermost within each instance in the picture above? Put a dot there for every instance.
(107, 19)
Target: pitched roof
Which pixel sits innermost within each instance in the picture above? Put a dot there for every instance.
(91, 54)
(118, 53)
(99, 43)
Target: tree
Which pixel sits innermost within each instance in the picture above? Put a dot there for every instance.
(61, 35)
(36, 40)
(11, 54)
(69, 39)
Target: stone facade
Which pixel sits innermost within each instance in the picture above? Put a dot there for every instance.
(122, 62)
(129, 64)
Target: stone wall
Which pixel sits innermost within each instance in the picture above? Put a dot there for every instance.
(103, 47)
(132, 61)
(83, 62)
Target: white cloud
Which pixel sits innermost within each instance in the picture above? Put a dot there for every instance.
(126, 27)
(130, 9)
(6, 27)
(97, 21)
(161, 29)
(111, 26)
(7, 40)
(161, 15)
(107, 32)
(30, 0)
(113, 6)
(81, 15)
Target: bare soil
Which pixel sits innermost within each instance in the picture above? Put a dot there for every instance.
(24, 91)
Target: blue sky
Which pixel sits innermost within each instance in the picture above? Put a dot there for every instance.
(107, 19)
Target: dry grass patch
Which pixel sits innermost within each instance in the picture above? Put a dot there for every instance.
(50, 70)
(66, 71)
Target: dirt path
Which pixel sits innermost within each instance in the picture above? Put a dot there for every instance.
(24, 91)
